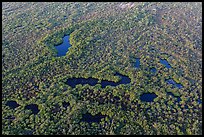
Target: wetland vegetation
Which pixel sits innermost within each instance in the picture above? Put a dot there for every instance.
(111, 68)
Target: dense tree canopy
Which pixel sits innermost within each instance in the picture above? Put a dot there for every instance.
(105, 39)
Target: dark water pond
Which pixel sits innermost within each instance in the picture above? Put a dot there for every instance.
(165, 62)
(148, 97)
(172, 82)
(65, 104)
(75, 81)
(105, 83)
(92, 81)
(123, 80)
(12, 104)
(63, 48)
(33, 108)
(137, 63)
(65, 17)
(153, 70)
(171, 94)
(90, 118)
(199, 101)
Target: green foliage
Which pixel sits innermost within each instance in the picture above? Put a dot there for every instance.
(105, 38)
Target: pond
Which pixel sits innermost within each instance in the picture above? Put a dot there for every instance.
(65, 17)
(92, 81)
(137, 63)
(105, 83)
(171, 94)
(65, 104)
(148, 97)
(63, 48)
(172, 82)
(90, 118)
(199, 101)
(36, 87)
(165, 62)
(75, 81)
(12, 104)
(33, 108)
(153, 70)
(123, 80)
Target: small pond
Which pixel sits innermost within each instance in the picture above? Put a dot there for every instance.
(124, 79)
(148, 97)
(137, 63)
(153, 70)
(63, 48)
(65, 17)
(171, 94)
(65, 104)
(199, 101)
(12, 104)
(90, 118)
(165, 62)
(33, 108)
(172, 82)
